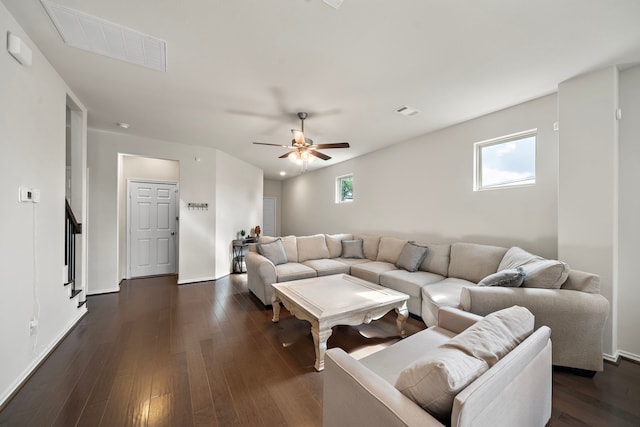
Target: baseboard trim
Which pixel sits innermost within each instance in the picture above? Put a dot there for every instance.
(201, 279)
(621, 354)
(105, 291)
(14, 388)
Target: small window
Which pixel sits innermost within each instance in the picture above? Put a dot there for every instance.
(344, 188)
(508, 161)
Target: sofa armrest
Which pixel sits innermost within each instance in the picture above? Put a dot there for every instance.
(456, 320)
(355, 395)
(576, 318)
(261, 273)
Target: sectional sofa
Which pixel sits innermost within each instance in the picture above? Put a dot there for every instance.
(567, 301)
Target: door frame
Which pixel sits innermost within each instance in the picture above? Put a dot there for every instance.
(128, 234)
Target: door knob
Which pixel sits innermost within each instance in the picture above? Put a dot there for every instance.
(173, 233)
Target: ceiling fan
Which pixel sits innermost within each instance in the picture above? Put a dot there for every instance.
(302, 148)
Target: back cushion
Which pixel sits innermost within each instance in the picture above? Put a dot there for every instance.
(312, 247)
(473, 262)
(290, 248)
(370, 245)
(389, 249)
(334, 243)
(539, 272)
(434, 380)
(582, 281)
(437, 260)
(491, 338)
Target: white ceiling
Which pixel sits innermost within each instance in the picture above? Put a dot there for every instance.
(238, 71)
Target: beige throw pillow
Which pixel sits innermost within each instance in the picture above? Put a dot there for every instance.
(434, 381)
(492, 337)
(539, 272)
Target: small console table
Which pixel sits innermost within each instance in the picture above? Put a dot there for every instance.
(239, 251)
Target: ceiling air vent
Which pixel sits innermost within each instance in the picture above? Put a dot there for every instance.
(88, 32)
(405, 110)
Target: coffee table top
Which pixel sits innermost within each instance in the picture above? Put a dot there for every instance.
(327, 296)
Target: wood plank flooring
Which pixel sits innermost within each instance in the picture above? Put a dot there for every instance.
(207, 354)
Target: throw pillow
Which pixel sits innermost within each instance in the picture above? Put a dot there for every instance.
(412, 256)
(511, 278)
(540, 272)
(352, 249)
(434, 381)
(492, 337)
(273, 251)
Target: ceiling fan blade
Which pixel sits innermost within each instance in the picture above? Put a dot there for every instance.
(298, 137)
(319, 155)
(272, 145)
(285, 155)
(332, 145)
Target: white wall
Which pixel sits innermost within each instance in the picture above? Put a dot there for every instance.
(199, 179)
(628, 315)
(588, 190)
(274, 189)
(239, 201)
(136, 167)
(32, 136)
(423, 189)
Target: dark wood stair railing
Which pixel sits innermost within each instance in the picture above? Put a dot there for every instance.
(71, 229)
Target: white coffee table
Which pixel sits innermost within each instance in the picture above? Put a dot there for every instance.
(337, 300)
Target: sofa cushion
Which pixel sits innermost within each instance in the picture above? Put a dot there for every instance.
(293, 271)
(445, 293)
(437, 260)
(474, 262)
(389, 249)
(371, 270)
(433, 381)
(412, 256)
(511, 278)
(290, 248)
(312, 247)
(334, 243)
(352, 261)
(352, 249)
(540, 272)
(273, 251)
(369, 244)
(409, 283)
(325, 267)
(582, 281)
(491, 338)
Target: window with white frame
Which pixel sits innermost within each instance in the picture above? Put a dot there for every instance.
(344, 188)
(508, 161)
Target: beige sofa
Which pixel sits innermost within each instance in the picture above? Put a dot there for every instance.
(515, 391)
(448, 277)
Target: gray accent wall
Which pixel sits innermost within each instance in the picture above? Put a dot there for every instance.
(422, 189)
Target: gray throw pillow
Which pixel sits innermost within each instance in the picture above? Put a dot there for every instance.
(273, 251)
(352, 249)
(412, 256)
(510, 278)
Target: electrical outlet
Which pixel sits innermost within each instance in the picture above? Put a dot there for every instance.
(33, 327)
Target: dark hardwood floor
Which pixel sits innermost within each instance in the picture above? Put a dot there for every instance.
(207, 354)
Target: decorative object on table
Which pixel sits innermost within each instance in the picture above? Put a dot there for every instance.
(242, 234)
(257, 229)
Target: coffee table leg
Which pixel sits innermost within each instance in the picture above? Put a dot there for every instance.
(320, 338)
(275, 303)
(403, 313)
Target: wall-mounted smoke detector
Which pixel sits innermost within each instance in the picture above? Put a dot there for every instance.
(405, 110)
(93, 34)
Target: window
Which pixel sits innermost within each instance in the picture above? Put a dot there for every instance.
(508, 161)
(344, 188)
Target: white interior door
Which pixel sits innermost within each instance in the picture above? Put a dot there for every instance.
(152, 228)
(269, 216)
